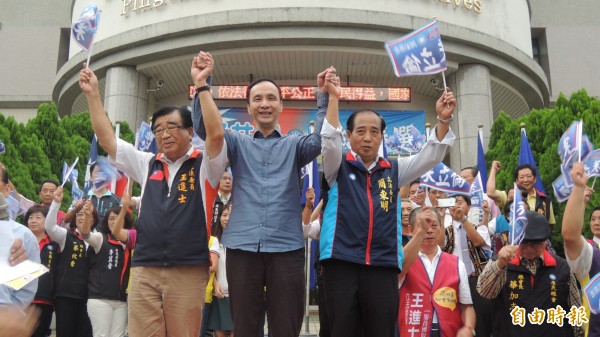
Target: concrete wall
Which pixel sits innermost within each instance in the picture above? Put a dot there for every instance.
(504, 20)
(571, 43)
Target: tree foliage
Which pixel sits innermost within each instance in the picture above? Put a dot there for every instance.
(36, 151)
(544, 128)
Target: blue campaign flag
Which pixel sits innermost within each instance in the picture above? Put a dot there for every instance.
(105, 174)
(76, 192)
(518, 219)
(592, 293)
(145, 140)
(572, 142)
(412, 142)
(442, 178)
(419, 53)
(526, 157)
(2, 147)
(85, 27)
(562, 186)
(481, 164)
(592, 164)
(92, 159)
(67, 171)
(311, 179)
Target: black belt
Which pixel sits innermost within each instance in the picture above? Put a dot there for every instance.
(435, 330)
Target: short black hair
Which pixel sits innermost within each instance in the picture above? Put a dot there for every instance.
(525, 166)
(52, 181)
(260, 80)
(35, 209)
(473, 169)
(597, 208)
(186, 116)
(217, 230)
(465, 198)
(416, 181)
(350, 121)
(104, 229)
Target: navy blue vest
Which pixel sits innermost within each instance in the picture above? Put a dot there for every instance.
(171, 229)
(49, 255)
(594, 325)
(109, 271)
(73, 269)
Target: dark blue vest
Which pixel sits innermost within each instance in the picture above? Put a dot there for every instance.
(109, 271)
(171, 229)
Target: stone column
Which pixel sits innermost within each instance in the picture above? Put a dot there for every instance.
(472, 89)
(126, 96)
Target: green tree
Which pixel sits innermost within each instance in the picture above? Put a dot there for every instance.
(544, 128)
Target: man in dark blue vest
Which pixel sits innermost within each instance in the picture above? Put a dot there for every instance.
(361, 238)
(583, 257)
(170, 265)
(534, 288)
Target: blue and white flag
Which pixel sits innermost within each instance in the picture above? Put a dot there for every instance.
(442, 178)
(145, 140)
(73, 174)
(518, 219)
(2, 147)
(14, 206)
(591, 164)
(105, 174)
(572, 142)
(592, 294)
(67, 170)
(85, 27)
(419, 53)
(562, 186)
(76, 192)
(476, 192)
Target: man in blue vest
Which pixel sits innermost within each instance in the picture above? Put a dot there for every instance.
(361, 239)
(170, 265)
(527, 280)
(583, 257)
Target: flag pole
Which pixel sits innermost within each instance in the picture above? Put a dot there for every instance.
(579, 137)
(445, 87)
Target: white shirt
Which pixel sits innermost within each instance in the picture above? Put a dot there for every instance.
(458, 244)
(135, 164)
(464, 292)
(583, 263)
(409, 168)
(312, 230)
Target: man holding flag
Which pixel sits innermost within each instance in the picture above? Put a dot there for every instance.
(528, 279)
(170, 266)
(583, 257)
(361, 239)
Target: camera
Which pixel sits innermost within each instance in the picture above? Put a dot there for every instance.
(160, 83)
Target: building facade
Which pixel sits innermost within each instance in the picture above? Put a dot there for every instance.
(507, 56)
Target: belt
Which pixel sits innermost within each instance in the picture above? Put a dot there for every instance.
(435, 330)
(474, 274)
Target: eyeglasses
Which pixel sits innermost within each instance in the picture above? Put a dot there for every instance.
(169, 129)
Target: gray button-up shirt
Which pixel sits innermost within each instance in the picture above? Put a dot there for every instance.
(266, 214)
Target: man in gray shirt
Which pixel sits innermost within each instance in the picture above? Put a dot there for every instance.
(265, 245)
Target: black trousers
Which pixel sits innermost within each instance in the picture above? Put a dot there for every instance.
(72, 318)
(483, 309)
(361, 300)
(283, 275)
(44, 321)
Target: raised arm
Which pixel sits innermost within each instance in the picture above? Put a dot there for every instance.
(422, 224)
(202, 67)
(55, 232)
(444, 107)
(93, 239)
(331, 141)
(491, 183)
(118, 231)
(572, 225)
(88, 82)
